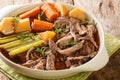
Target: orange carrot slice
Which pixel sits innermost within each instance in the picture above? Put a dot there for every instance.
(41, 25)
(30, 13)
(50, 11)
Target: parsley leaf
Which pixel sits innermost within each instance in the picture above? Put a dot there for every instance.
(15, 19)
(71, 43)
(41, 16)
(58, 30)
(25, 35)
(41, 50)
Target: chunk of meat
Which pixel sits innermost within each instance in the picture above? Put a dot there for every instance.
(53, 46)
(74, 20)
(93, 54)
(63, 40)
(75, 61)
(86, 49)
(87, 37)
(72, 31)
(67, 51)
(72, 49)
(28, 53)
(50, 62)
(62, 21)
(40, 65)
(91, 29)
(79, 29)
(31, 63)
(91, 32)
(35, 64)
(84, 28)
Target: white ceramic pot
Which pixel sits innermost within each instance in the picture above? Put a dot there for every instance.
(98, 62)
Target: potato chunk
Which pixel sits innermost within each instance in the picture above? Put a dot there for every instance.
(47, 35)
(63, 10)
(6, 26)
(77, 13)
(23, 25)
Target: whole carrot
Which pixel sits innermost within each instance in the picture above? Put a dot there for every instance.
(30, 13)
(41, 25)
(50, 11)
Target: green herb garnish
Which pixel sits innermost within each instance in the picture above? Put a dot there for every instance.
(41, 16)
(71, 43)
(26, 35)
(15, 19)
(58, 30)
(41, 50)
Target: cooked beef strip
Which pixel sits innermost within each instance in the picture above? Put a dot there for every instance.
(31, 55)
(68, 63)
(40, 65)
(72, 32)
(67, 51)
(48, 51)
(72, 49)
(62, 21)
(87, 37)
(50, 62)
(53, 46)
(93, 54)
(76, 58)
(31, 63)
(92, 31)
(28, 53)
(35, 64)
(74, 20)
(67, 39)
(79, 29)
(67, 23)
(71, 61)
(63, 40)
(84, 28)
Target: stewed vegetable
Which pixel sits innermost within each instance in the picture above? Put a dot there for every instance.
(49, 37)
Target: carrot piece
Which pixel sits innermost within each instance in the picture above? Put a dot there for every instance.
(41, 25)
(50, 11)
(30, 13)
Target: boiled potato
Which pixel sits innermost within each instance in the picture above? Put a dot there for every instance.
(6, 26)
(23, 25)
(63, 10)
(47, 35)
(77, 13)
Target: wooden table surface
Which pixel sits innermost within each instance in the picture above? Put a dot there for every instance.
(107, 13)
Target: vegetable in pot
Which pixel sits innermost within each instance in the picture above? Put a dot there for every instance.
(30, 13)
(63, 10)
(46, 35)
(41, 25)
(50, 11)
(25, 47)
(22, 25)
(6, 26)
(77, 13)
